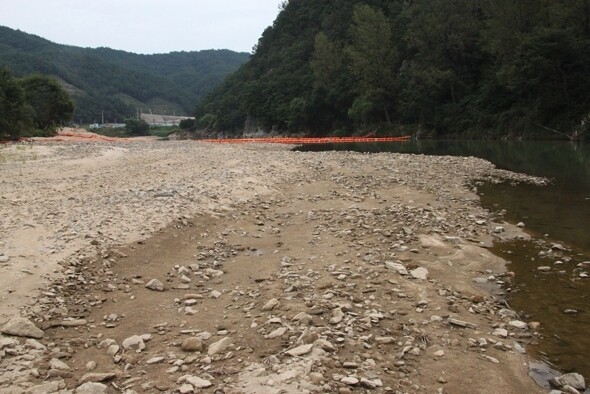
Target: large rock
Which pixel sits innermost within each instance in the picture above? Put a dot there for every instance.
(21, 327)
(574, 380)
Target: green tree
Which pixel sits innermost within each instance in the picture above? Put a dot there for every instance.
(137, 127)
(372, 58)
(50, 105)
(12, 106)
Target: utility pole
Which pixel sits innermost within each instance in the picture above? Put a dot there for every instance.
(102, 116)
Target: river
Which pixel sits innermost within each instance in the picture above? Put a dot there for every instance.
(557, 213)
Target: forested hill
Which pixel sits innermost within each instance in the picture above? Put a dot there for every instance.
(482, 66)
(118, 82)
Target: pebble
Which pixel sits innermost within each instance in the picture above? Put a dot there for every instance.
(270, 305)
(419, 273)
(91, 388)
(396, 267)
(134, 341)
(192, 344)
(300, 350)
(349, 380)
(155, 285)
(518, 324)
(195, 381)
(219, 346)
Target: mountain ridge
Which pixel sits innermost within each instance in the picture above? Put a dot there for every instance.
(115, 82)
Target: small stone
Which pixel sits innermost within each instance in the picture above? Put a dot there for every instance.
(134, 341)
(155, 360)
(49, 387)
(396, 267)
(113, 350)
(491, 359)
(460, 323)
(33, 344)
(544, 268)
(349, 380)
(192, 344)
(97, 377)
(534, 325)
(196, 382)
(419, 273)
(316, 378)
(279, 332)
(439, 353)
(500, 332)
(155, 285)
(215, 294)
(371, 383)
(54, 363)
(219, 346)
(385, 340)
(186, 389)
(350, 365)
(270, 305)
(570, 311)
(91, 365)
(300, 350)
(518, 324)
(91, 388)
(337, 316)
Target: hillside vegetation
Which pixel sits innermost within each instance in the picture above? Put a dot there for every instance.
(485, 67)
(117, 82)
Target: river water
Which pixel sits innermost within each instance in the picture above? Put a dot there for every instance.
(557, 213)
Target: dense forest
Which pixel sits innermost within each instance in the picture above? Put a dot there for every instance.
(119, 83)
(481, 67)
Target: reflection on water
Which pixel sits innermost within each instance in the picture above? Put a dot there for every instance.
(559, 212)
(546, 296)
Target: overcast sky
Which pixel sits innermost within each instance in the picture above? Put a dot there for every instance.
(144, 26)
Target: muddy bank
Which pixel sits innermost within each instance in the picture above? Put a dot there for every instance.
(179, 267)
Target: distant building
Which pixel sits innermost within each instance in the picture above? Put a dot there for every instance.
(163, 120)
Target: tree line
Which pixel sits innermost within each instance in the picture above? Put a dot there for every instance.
(486, 68)
(35, 105)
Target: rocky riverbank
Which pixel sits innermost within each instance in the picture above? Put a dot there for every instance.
(187, 267)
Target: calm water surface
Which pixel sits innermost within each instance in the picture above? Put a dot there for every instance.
(559, 212)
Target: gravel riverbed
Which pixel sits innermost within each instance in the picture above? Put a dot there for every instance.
(180, 267)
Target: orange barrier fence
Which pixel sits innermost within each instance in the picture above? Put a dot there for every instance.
(305, 141)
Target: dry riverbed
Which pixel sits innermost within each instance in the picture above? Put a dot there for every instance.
(188, 267)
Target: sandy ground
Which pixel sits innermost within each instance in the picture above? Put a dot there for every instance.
(286, 272)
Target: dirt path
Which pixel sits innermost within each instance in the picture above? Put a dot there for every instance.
(281, 272)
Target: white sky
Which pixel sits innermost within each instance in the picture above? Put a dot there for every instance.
(144, 26)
